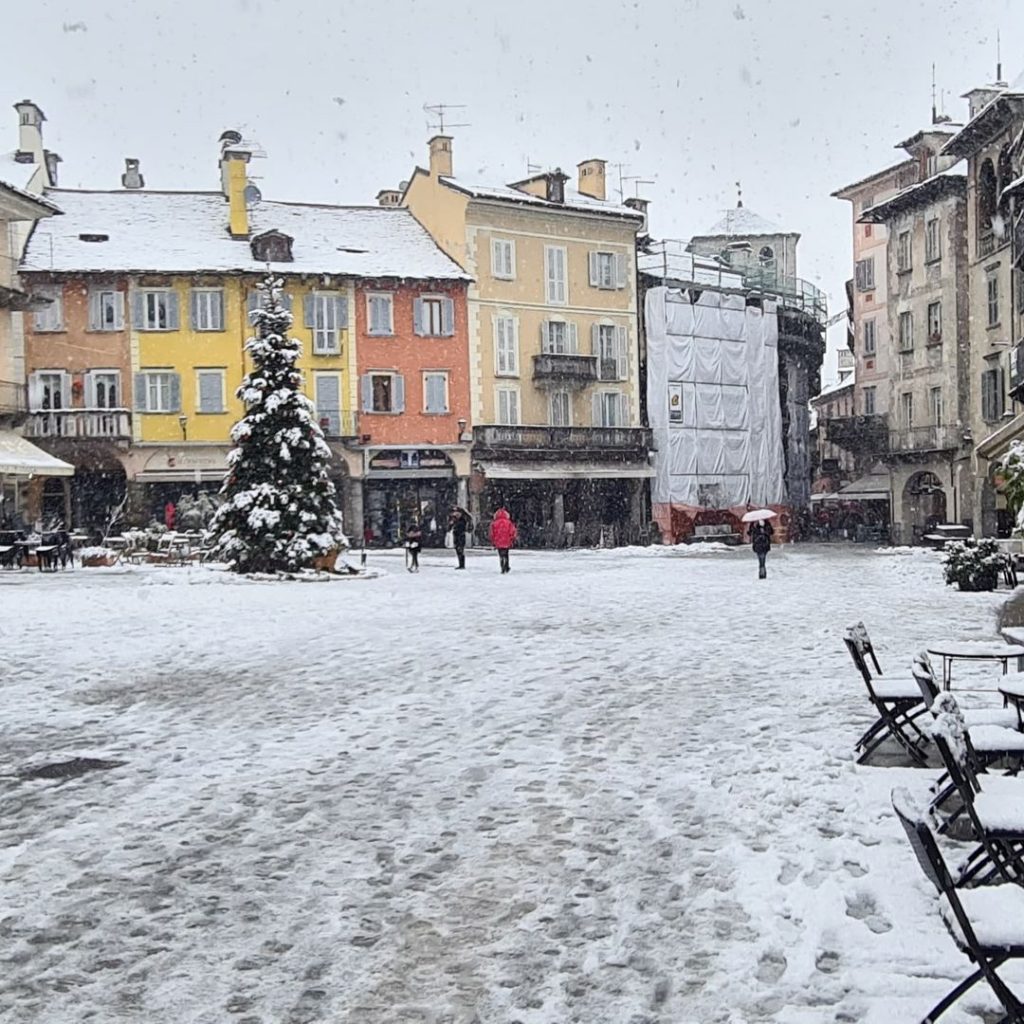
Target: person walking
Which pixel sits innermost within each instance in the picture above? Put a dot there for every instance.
(761, 541)
(503, 536)
(413, 543)
(458, 523)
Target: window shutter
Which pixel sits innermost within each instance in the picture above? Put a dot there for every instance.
(119, 311)
(545, 334)
(138, 310)
(500, 345)
(211, 397)
(218, 311)
(194, 301)
(341, 312)
(447, 317)
(173, 317)
(95, 314)
(417, 316)
(623, 409)
(574, 344)
(91, 401)
(595, 340)
(513, 326)
(622, 351)
(35, 391)
(595, 278)
(140, 391)
(510, 253)
(309, 310)
(175, 392)
(399, 393)
(497, 265)
(366, 388)
(596, 411)
(620, 270)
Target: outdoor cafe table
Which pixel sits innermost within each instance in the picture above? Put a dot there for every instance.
(974, 650)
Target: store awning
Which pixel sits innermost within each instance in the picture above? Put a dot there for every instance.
(19, 457)
(564, 471)
(997, 443)
(872, 487)
(824, 497)
(410, 474)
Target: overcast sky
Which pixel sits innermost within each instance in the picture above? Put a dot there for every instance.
(792, 97)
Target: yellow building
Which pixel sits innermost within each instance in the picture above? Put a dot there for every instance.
(556, 401)
(136, 361)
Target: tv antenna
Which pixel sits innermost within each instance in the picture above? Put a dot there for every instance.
(937, 116)
(637, 182)
(620, 168)
(739, 196)
(439, 112)
(533, 168)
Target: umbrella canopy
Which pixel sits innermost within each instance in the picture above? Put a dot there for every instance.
(756, 515)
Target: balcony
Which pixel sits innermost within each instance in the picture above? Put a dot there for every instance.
(80, 423)
(986, 244)
(13, 400)
(925, 439)
(861, 435)
(562, 442)
(561, 369)
(337, 423)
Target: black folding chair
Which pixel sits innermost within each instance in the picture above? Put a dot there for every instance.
(996, 817)
(987, 923)
(898, 704)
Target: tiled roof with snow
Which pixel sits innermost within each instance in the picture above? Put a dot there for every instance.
(185, 232)
(573, 200)
(742, 221)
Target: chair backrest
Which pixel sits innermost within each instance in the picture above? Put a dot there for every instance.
(929, 856)
(924, 676)
(858, 658)
(857, 635)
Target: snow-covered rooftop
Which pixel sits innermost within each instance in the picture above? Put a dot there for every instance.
(182, 232)
(742, 221)
(573, 200)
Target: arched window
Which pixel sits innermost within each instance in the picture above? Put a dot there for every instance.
(767, 257)
(988, 193)
(1005, 176)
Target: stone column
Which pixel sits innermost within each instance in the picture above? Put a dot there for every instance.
(353, 509)
(558, 510)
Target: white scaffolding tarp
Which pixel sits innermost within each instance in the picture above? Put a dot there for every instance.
(713, 399)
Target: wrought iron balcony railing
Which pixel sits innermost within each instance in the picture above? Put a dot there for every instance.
(564, 368)
(935, 438)
(569, 439)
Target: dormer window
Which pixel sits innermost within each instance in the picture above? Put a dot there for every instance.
(556, 189)
(272, 247)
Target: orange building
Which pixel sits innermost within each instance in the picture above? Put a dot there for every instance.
(412, 353)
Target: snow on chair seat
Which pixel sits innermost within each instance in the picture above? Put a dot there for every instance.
(891, 689)
(996, 913)
(996, 739)
(1000, 813)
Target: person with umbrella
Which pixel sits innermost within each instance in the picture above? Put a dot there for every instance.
(458, 523)
(760, 536)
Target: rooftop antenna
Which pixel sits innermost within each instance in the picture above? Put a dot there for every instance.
(439, 111)
(533, 168)
(620, 168)
(938, 115)
(739, 196)
(637, 182)
(935, 111)
(999, 60)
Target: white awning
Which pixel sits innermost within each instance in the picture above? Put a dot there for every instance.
(998, 443)
(19, 457)
(872, 487)
(824, 497)
(564, 471)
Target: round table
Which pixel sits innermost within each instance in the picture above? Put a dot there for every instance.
(974, 650)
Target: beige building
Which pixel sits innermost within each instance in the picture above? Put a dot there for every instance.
(555, 389)
(23, 174)
(991, 144)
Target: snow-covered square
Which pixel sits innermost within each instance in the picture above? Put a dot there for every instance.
(609, 787)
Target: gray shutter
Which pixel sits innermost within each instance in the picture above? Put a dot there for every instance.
(596, 410)
(544, 335)
(140, 392)
(417, 316)
(95, 316)
(138, 310)
(218, 310)
(309, 310)
(622, 351)
(447, 317)
(173, 316)
(623, 409)
(595, 341)
(341, 313)
(252, 300)
(119, 310)
(194, 308)
(366, 388)
(90, 389)
(175, 392)
(211, 393)
(620, 270)
(574, 342)
(399, 393)
(594, 273)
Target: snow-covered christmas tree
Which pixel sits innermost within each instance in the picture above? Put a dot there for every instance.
(279, 513)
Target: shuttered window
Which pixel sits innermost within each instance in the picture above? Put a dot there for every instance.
(326, 315)
(506, 346)
(156, 309)
(106, 310)
(207, 309)
(506, 403)
(555, 275)
(503, 259)
(157, 391)
(610, 344)
(864, 274)
(435, 392)
(993, 398)
(209, 391)
(560, 409)
(51, 316)
(382, 392)
(327, 399)
(611, 409)
(558, 337)
(379, 315)
(433, 316)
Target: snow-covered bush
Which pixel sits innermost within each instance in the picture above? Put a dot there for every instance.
(96, 555)
(195, 513)
(1011, 468)
(279, 512)
(973, 564)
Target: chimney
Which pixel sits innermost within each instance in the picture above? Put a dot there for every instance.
(640, 205)
(440, 156)
(554, 182)
(234, 157)
(592, 179)
(389, 197)
(52, 159)
(132, 177)
(30, 130)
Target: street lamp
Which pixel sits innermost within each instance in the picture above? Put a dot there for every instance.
(183, 423)
(462, 429)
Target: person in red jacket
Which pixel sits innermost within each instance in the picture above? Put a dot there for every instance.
(503, 536)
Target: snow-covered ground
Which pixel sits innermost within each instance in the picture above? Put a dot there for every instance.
(609, 788)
